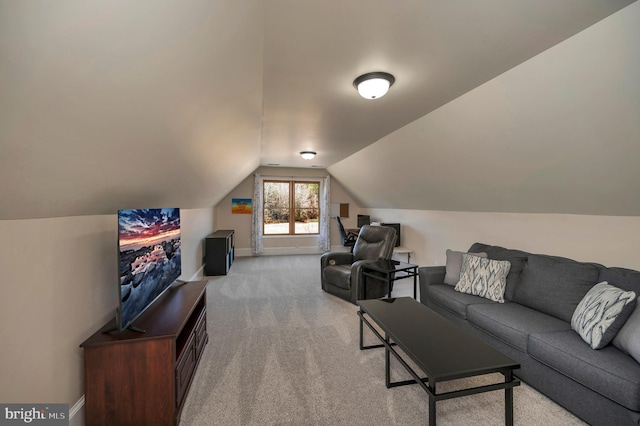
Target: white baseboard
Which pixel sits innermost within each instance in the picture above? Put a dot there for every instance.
(198, 274)
(76, 413)
(340, 248)
(242, 252)
(278, 251)
(399, 253)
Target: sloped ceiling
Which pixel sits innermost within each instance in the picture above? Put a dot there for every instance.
(559, 133)
(119, 104)
(126, 104)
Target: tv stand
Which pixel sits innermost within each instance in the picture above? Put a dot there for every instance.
(133, 378)
(116, 330)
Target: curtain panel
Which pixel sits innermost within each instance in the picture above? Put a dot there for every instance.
(324, 242)
(256, 216)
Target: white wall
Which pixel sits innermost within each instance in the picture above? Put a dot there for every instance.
(609, 240)
(195, 224)
(59, 286)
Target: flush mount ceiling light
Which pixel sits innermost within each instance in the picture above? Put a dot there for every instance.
(307, 155)
(373, 85)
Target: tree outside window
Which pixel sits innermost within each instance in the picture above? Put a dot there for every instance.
(291, 207)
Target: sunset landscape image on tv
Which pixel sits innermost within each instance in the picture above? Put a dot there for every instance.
(150, 257)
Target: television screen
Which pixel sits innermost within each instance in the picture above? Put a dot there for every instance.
(150, 258)
(363, 219)
(395, 226)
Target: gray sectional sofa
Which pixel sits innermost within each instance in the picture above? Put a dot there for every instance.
(533, 327)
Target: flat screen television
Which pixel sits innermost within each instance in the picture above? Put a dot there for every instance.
(395, 226)
(363, 219)
(149, 259)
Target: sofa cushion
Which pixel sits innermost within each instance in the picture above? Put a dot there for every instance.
(602, 313)
(446, 297)
(608, 371)
(628, 338)
(626, 279)
(555, 285)
(483, 277)
(454, 265)
(512, 323)
(338, 275)
(516, 258)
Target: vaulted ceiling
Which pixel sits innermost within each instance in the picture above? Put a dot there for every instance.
(119, 104)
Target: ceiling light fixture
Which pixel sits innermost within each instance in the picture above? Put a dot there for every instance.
(307, 155)
(373, 85)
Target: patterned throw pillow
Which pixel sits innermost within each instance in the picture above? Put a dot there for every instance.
(483, 277)
(602, 313)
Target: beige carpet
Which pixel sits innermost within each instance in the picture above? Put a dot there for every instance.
(283, 352)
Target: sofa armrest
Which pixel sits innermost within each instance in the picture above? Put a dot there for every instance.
(429, 275)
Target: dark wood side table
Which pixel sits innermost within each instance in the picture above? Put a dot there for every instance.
(389, 271)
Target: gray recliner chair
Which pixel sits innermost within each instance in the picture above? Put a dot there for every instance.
(341, 272)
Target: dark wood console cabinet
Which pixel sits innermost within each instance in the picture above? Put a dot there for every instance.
(134, 378)
(219, 250)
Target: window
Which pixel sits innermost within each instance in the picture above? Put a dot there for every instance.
(291, 207)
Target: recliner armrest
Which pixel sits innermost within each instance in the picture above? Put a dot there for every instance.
(356, 279)
(356, 266)
(336, 258)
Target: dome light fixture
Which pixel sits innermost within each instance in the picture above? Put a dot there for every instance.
(374, 85)
(307, 155)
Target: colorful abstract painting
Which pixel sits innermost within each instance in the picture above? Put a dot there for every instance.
(241, 206)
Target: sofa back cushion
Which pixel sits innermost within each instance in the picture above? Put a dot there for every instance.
(517, 259)
(626, 279)
(627, 338)
(555, 285)
(454, 266)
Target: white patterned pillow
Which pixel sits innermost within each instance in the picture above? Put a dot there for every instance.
(483, 277)
(601, 314)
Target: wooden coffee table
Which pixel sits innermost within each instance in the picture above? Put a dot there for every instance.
(441, 349)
